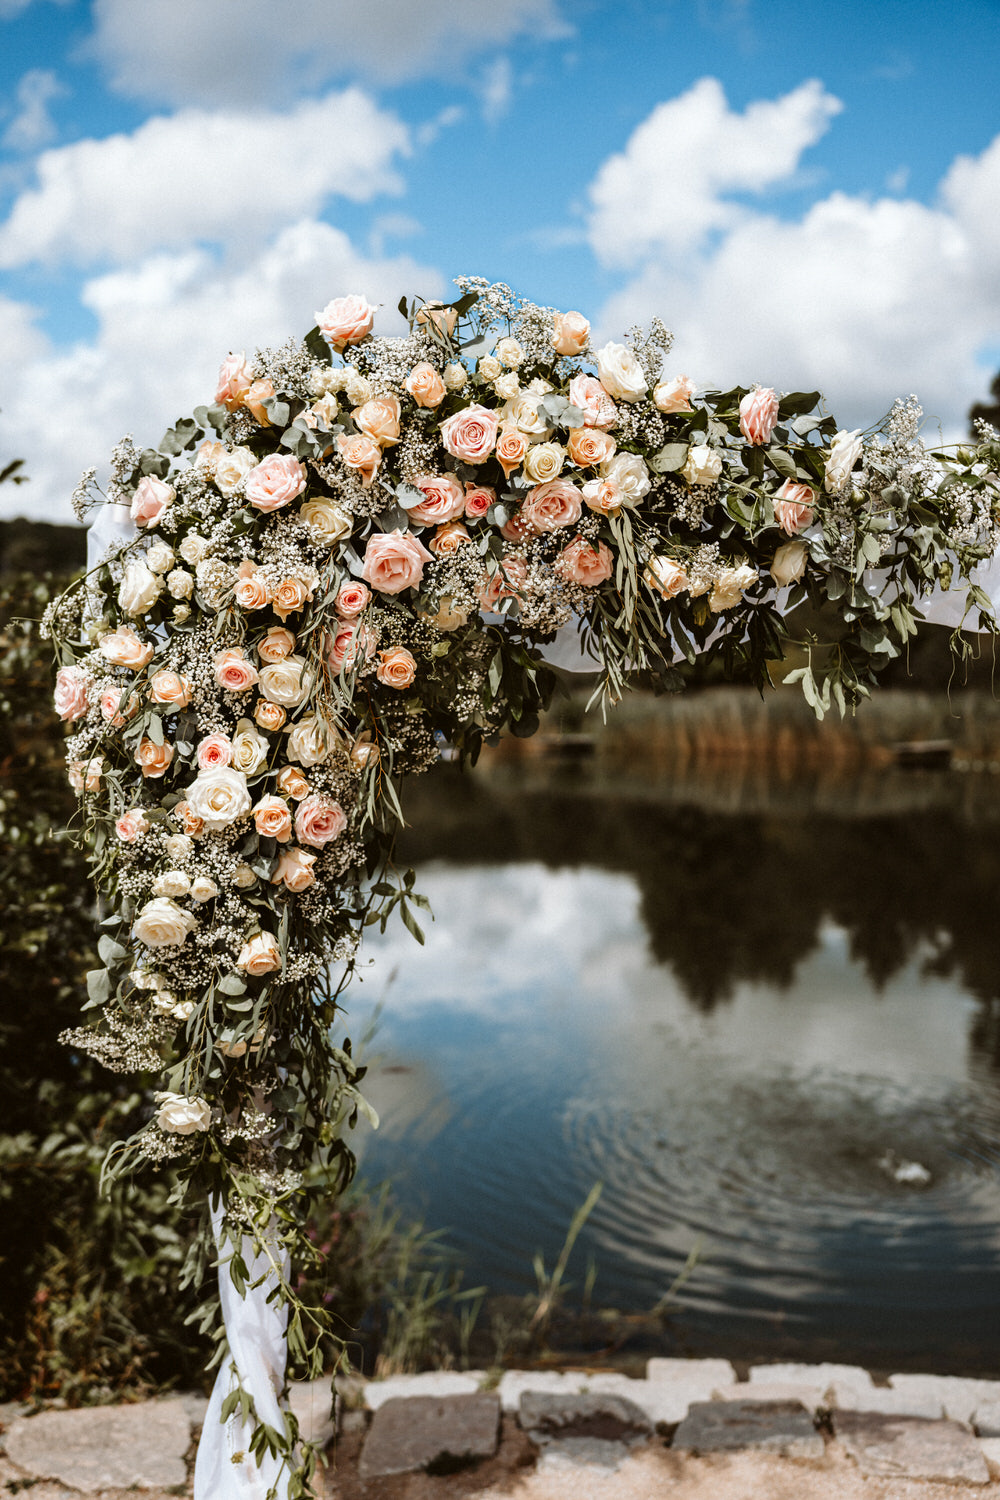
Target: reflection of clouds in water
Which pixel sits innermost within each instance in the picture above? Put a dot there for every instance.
(411, 1099)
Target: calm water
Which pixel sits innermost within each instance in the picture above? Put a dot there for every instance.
(738, 1005)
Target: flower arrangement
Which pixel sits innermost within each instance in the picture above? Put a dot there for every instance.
(361, 548)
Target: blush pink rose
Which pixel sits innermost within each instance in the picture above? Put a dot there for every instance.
(396, 667)
(233, 672)
(351, 599)
(319, 821)
(471, 433)
(582, 562)
(425, 385)
(234, 381)
(587, 392)
(346, 320)
(759, 415)
(214, 752)
(276, 481)
(394, 561)
(112, 710)
(344, 646)
(130, 825)
(505, 584)
(517, 529)
(378, 419)
(444, 499)
(150, 500)
(71, 693)
(550, 506)
(794, 507)
(478, 499)
(123, 648)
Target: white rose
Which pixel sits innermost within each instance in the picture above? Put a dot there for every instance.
(179, 846)
(182, 612)
(620, 373)
(161, 924)
(789, 563)
(489, 367)
(522, 411)
(146, 979)
(509, 353)
(203, 889)
(286, 682)
(172, 883)
(628, 473)
(160, 557)
(244, 877)
(336, 378)
(455, 376)
(544, 462)
(330, 520)
(139, 590)
(729, 586)
(358, 388)
(219, 798)
(507, 386)
(540, 387)
(182, 1114)
(183, 1010)
(312, 741)
(231, 470)
(180, 584)
(193, 548)
(250, 750)
(164, 1002)
(704, 465)
(845, 450)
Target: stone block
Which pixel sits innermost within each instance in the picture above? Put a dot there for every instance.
(783, 1427)
(911, 1448)
(430, 1383)
(554, 1382)
(990, 1449)
(959, 1397)
(890, 1403)
(603, 1415)
(105, 1447)
(811, 1375)
(424, 1432)
(986, 1419)
(665, 1402)
(810, 1396)
(696, 1371)
(311, 1401)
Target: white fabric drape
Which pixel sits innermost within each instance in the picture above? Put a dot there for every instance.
(942, 608)
(255, 1330)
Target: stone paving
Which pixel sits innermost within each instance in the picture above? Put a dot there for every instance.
(689, 1430)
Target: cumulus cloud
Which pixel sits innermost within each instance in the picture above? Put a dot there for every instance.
(164, 326)
(198, 175)
(32, 125)
(183, 51)
(668, 189)
(863, 298)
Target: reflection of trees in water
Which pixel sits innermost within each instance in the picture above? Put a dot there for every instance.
(735, 897)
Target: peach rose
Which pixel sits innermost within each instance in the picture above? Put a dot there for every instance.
(259, 392)
(470, 434)
(506, 582)
(447, 538)
(192, 824)
(277, 644)
(85, 775)
(260, 955)
(478, 499)
(378, 419)
(130, 825)
(123, 648)
(512, 445)
(589, 446)
(150, 500)
(394, 561)
(517, 529)
(396, 667)
(438, 316)
(794, 507)
(319, 821)
(294, 869)
(170, 688)
(548, 507)
(351, 599)
(208, 454)
(233, 672)
(570, 332)
(270, 716)
(665, 576)
(71, 693)
(214, 751)
(252, 590)
(154, 759)
(346, 320)
(674, 395)
(276, 481)
(273, 819)
(363, 752)
(113, 711)
(291, 595)
(589, 395)
(234, 381)
(605, 496)
(583, 562)
(291, 781)
(444, 499)
(425, 385)
(759, 415)
(359, 453)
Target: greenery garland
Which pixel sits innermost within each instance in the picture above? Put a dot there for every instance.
(358, 552)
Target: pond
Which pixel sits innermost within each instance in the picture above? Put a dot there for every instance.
(765, 1016)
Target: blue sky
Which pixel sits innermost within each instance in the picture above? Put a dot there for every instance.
(807, 194)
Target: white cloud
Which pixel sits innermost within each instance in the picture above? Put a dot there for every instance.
(184, 51)
(666, 190)
(163, 328)
(863, 299)
(227, 175)
(497, 89)
(11, 8)
(32, 126)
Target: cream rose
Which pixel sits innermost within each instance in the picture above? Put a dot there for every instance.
(489, 367)
(357, 387)
(203, 889)
(628, 473)
(208, 456)
(193, 548)
(150, 500)
(731, 584)
(250, 750)
(570, 333)
(507, 386)
(620, 373)
(544, 462)
(160, 558)
(331, 521)
(178, 847)
(286, 682)
(524, 413)
(71, 693)
(510, 353)
(346, 320)
(703, 466)
(172, 883)
(318, 821)
(182, 1114)
(294, 869)
(312, 741)
(180, 584)
(674, 395)
(275, 482)
(140, 588)
(455, 376)
(232, 469)
(604, 496)
(444, 499)
(470, 434)
(789, 563)
(845, 450)
(161, 924)
(218, 798)
(394, 561)
(548, 507)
